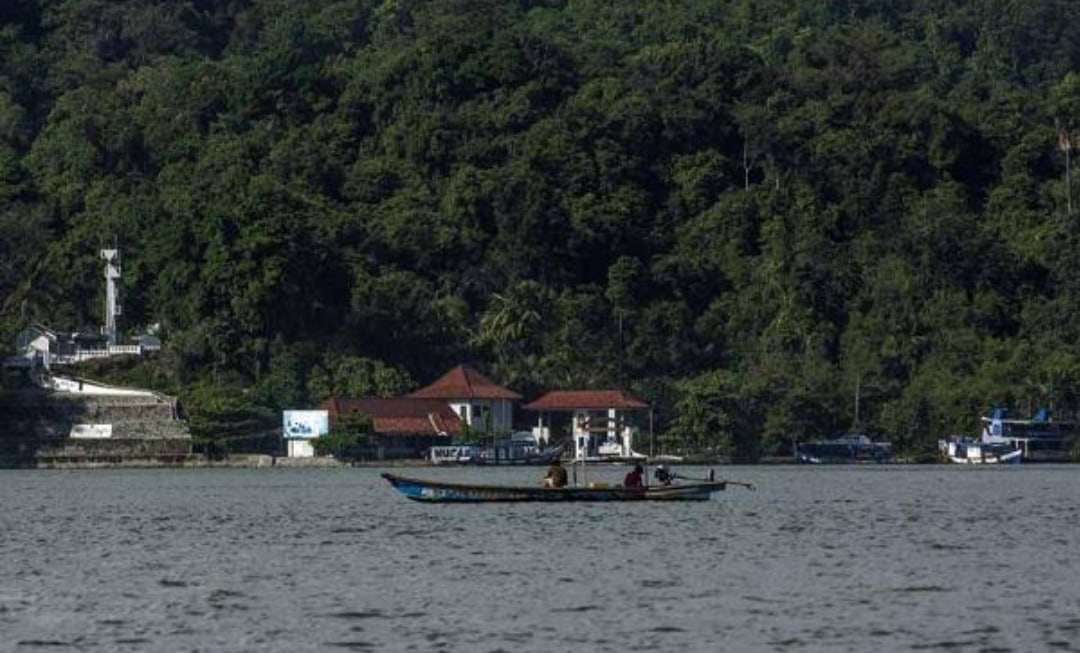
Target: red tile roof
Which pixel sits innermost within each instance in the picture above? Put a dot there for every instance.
(567, 400)
(464, 382)
(400, 415)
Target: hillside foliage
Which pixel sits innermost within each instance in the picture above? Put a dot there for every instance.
(747, 212)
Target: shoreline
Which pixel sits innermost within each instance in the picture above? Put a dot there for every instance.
(197, 461)
(268, 461)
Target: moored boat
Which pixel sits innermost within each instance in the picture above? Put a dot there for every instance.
(969, 451)
(517, 450)
(847, 449)
(1039, 438)
(453, 454)
(443, 492)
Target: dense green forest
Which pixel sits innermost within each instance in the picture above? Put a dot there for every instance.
(747, 212)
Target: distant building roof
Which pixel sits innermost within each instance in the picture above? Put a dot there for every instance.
(567, 400)
(464, 382)
(148, 340)
(400, 415)
(40, 329)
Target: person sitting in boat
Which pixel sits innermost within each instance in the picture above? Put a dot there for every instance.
(664, 475)
(556, 475)
(634, 477)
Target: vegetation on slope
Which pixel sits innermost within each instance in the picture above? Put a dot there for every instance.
(744, 211)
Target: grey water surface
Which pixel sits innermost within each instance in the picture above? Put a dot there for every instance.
(844, 558)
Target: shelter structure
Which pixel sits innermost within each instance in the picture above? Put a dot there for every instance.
(40, 346)
(480, 403)
(403, 427)
(600, 426)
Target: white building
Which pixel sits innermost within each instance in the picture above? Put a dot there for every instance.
(481, 403)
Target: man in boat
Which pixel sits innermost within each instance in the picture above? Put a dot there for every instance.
(556, 475)
(634, 477)
(663, 475)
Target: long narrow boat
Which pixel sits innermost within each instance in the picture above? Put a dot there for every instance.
(440, 492)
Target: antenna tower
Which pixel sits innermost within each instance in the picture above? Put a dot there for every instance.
(112, 292)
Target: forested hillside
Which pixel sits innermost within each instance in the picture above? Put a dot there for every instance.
(744, 211)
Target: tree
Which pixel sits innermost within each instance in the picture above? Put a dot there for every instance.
(348, 437)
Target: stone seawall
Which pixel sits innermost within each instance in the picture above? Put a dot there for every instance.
(177, 461)
(36, 425)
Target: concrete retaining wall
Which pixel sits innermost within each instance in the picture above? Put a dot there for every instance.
(37, 424)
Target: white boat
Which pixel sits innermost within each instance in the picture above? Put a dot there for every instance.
(616, 452)
(664, 458)
(1040, 438)
(985, 451)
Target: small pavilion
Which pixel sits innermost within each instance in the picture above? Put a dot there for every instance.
(599, 421)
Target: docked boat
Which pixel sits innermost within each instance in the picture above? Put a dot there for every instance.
(847, 449)
(1039, 438)
(971, 451)
(442, 492)
(615, 451)
(509, 452)
(453, 454)
(516, 450)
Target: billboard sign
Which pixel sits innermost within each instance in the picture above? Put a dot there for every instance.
(304, 424)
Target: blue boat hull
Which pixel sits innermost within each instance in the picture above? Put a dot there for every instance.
(439, 492)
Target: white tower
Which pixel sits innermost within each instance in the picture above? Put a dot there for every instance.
(112, 292)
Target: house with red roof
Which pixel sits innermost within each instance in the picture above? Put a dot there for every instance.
(409, 426)
(599, 421)
(403, 427)
(482, 404)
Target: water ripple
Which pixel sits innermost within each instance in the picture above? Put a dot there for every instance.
(823, 559)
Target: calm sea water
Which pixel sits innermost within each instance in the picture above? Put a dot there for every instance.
(816, 559)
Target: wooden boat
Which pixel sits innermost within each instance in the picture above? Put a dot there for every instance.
(441, 492)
